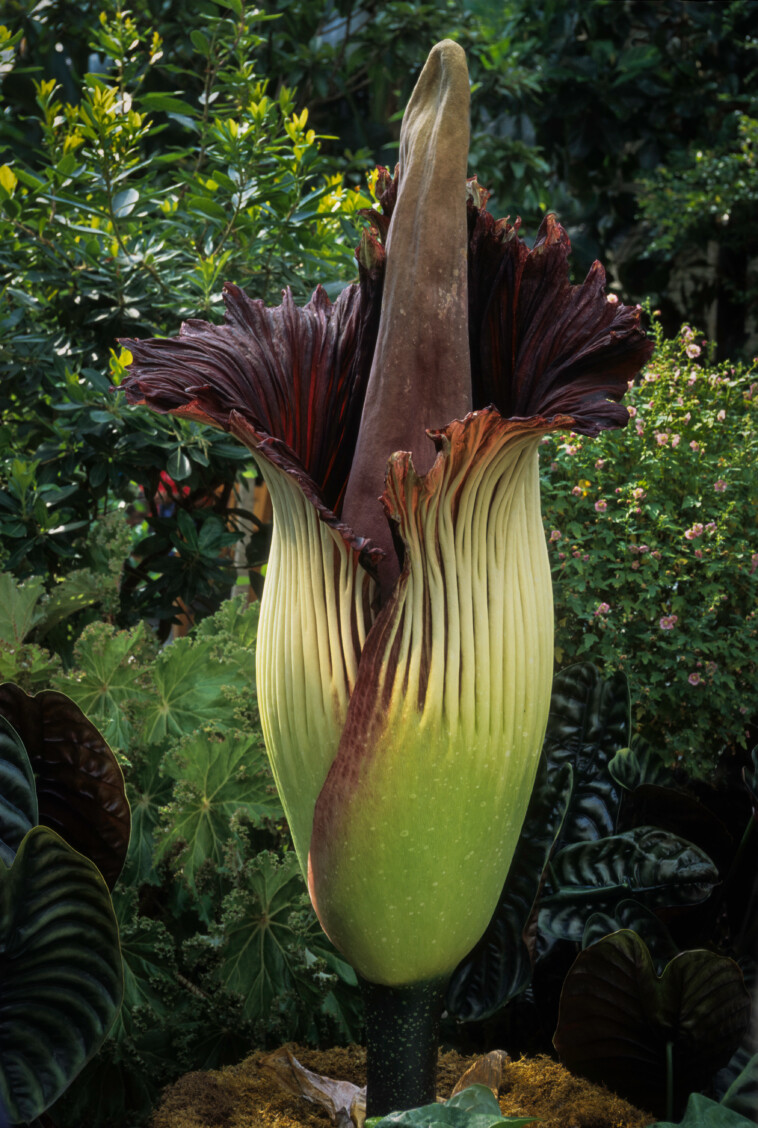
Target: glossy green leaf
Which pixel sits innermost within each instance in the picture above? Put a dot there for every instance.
(638, 764)
(125, 202)
(218, 778)
(18, 795)
(60, 968)
(742, 1094)
(499, 967)
(618, 1020)
(653, 866)
(702, 1112)
(588, 724)
(474, 1107)
(79, 784)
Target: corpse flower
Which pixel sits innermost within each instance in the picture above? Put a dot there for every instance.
(404, 657)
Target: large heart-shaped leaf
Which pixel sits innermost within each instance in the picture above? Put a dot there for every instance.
(619, 1023)
(499, 967)
(18, 796)
(587, 725)
(60, 970)
(651, 865)
(633, 916)
(217, 778)
(80, 787)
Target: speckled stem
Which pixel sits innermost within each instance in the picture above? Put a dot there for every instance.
(402, 1035)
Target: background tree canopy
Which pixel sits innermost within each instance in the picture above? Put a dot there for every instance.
(634, 121)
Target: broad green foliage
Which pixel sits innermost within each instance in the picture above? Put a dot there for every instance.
(123, 210)
(653, 536)
(217, 779)
(474, 1107)
(221, 948)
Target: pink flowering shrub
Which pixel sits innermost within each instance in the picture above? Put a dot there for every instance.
(665, 533)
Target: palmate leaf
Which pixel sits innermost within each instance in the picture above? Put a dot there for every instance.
(107, 679)
(149, 791)
(189, 684)
(18, 795)
(60, 970)
(257, 934)
(19, 607)
(653, 866)
(79, 784)
(619, 1022)
(217, 778)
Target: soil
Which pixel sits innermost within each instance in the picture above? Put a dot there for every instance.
(241, 1096)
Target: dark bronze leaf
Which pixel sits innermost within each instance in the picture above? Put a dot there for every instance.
(619, 1023)
(80, 787)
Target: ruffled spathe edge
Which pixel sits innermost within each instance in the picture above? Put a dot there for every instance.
(288, 382)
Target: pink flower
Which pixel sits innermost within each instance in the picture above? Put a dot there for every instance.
(600, 464)
(719, 486)
(699, 553)
(640, 428)
(556, 535)
(638, 493)
(675, 440)
(643, 549)
(612, 298)
(668, 622)
(753, 562)
(632, 412)
(601, 506)
(661, 437)
(721, 415)
(686, 417)
(603, 609)
(694, 445)
(635, 565)
(577, 491)
(710, 527)
(571, 448)
(695, 531)
(692, 351)
(691, 378)
(694, 679)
